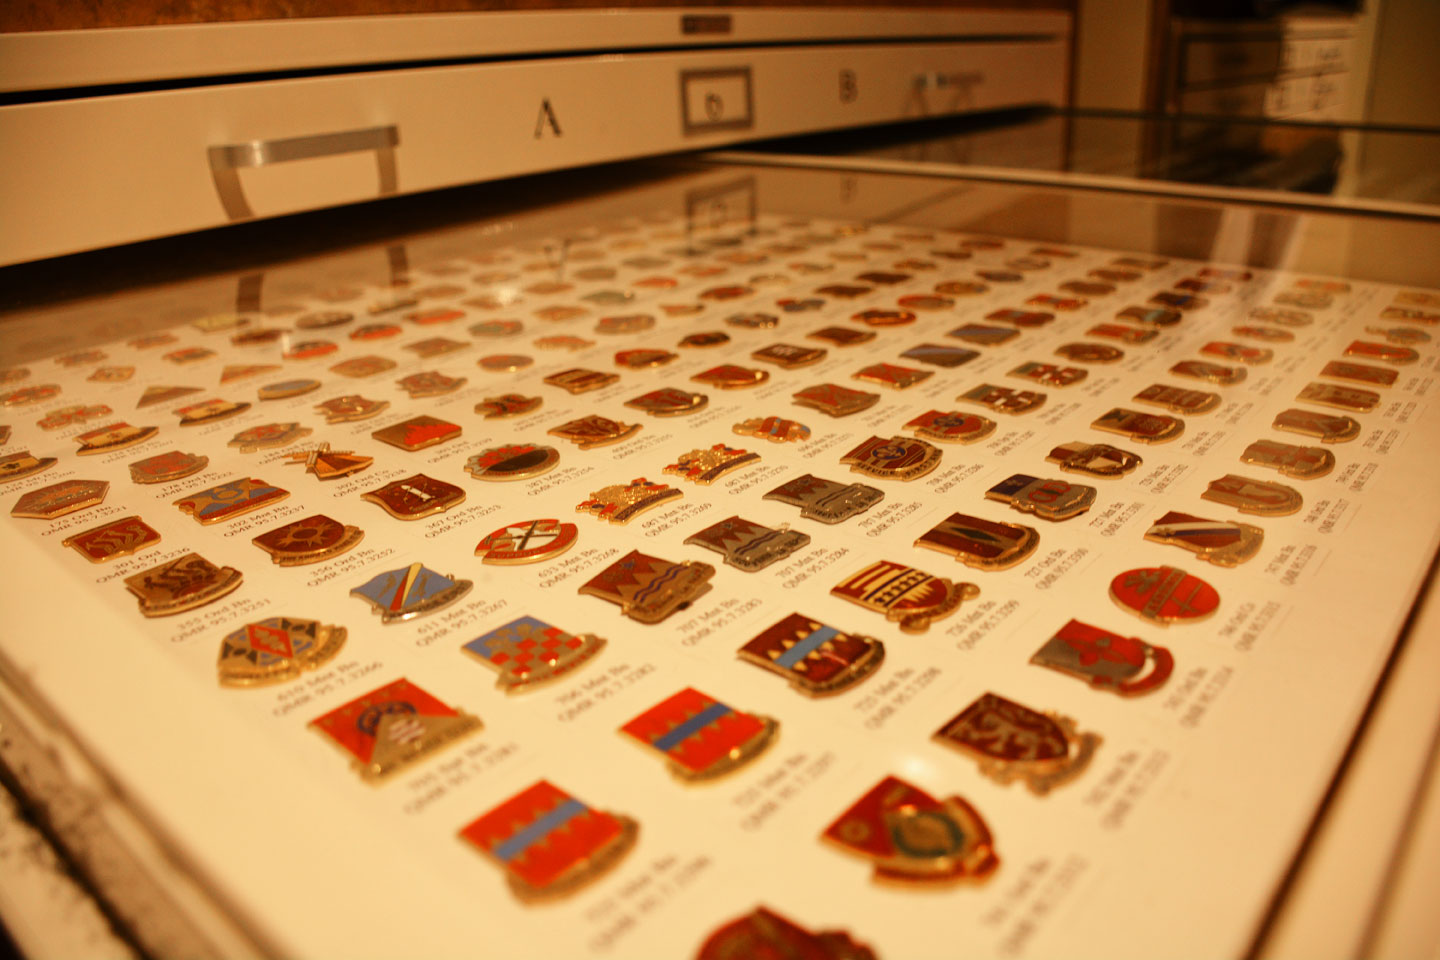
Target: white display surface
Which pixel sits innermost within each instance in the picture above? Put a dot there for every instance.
(1188, 815)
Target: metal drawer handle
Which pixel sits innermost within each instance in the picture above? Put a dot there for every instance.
(228, 159)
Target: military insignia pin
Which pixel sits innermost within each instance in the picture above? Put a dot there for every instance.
(729, 376)
(1257, 497)
(981, 544)
(1264, 334)
(1090, 352)
(287, 388)
(700, 737)
(276, 649)
(1387, 352)
(28, 395)
(774, 429)
(417, 433)
(527, 652)
(1105, 660)
(912, 837)
(154, 395)
(747, 545)
(327, 464)
(764, 933)
(392, 728)
(818, 660)
(507, 405)
(1013, 742)
(1223, 543)
(622, 502)
(514, 461)
(1154, 316)
(842, 336)
(1286, 318)
(787, 356)
(410, 592)
(704, 340)
(1302, 463)
(267, 436)
(893, 376)
(594, 431)
(912, 598)
(826, 500)
(308, 540)
(876, 317)
(1119, 331)
(167, 466)
(69, 416)
(1048, 374)
(502, 363)
(1021, 318)
(1178, 399)
(899, 458)
(983, 334)
(641, 359)
(1164, 595)
(1047, 499)
(940, 355)
(208, 412)
(229, 500)
(669, 402)
(1325, 427)
(429, 383)
(580, 380)
(1359, 373)
(1343, 398)
(529, 541)
(415, 497)
(117, 538)
(367, 366)
(1093, 459)
(21, 464)
(240, 371)
(648, 589)
(1003, 399)
(350, 407)
(1239, 352)
(115, 436)
(951, 426)
(60, 499)
(837, 401)
(181, 584)
(1141, 427)
(1179, 301)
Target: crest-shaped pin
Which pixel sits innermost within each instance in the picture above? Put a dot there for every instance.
(21, 464)
(1119, 331)
(1258, 497)
(29, 395)
(229, 500)
(1343, 398)
(392, 728)
(429, 383)
(267, 436)
(1105, 660)
(80, 358)
(327, 464)
(700, 737)
(910, 836)
(899, 458)
(111, 374)
(1154, 316)
(308, 540)
(548, 842)
(580, 380)
(940, 355)
(1401, 335)
(729, 376)
(753, 321)
(1302, 463)
(1179, 301)
(167, 466)
(705, 339)
(764, 933)
(1264, 334)
(669, 402)
(818, 660)
(181, 584)
(60, 499)
(502, 363)
(747, 545)
(350, 407)
(628, 323)
(1021, 318)
(208, 412)
(1178, 399)
(1325, 427)
(1238, 352)
(1093, 459)
(68, 416)
(507, 405)
(640, 359)
(1223, 543)
(417, 433)
(117, 538)
(368, 366)
(189, 355)
(648, 589)
(979, 543)
(154, 395)
(309, 349)
(528, 541)
(287, 388)
(527, 652)
(1140, 427)
(983, 334)
(706, 466)
(835, 400)
(622, 502)
(876, 317)
(1090, 352)
(910, 597)
(826, 500)
(514, 461)
(842, 336)
(1047, 499)
(1164, 595)
(1003, 399)
(951, 426)
(435, 347)
(276, 649)
(594, 431)
(1359, 373)
(1013, 742)
(415, 497)
(239, 371)
(774, 429)
(409, 592)
(1286, 318)
(1049, 374)
(789, 356)
(892, 375)
(115, 436)
(1209, 372)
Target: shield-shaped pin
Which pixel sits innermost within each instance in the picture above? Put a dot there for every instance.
(417, 433)
(329, 464)
(1093, 459)
(1047, 499)
(818, 660)
(154, 395)
(580, 380)
(1163, 595)
(1107, 661)
(429, 383)
(367, 366)
(622, 502)
(753, 321)
(835, 400)
(1344, 398)
(729, 376)
(1238, 352)
(189, 355)
(952, 426)
(648, 589)
(705, 339)
(309, 349)
(1021, 318)
(527, 652)
(669, 402)
(748, 545)
(308, 540)
(409, 592)
(892, 375)
(1257, 497)
(1090, 352)
(911, 836)
(640, 359)
(842, 336)
(350, 407)
(435, 347)
(1154, 316)
(415, 497)
(1049, 375)
(210, 411)
(67, 416)
(1141, 427)
(826, 500)
(983, 334)
(268, 435)
(899, 458)
(628, 323)
(1325, 427)
(1119, 331)
(529, 541)
(981, 544)
(548, 842)
(28, 395)
(788, 356)
(392, 728)
(1178, 399)
(117, 538)
(507, 405)
(181, 584)
(1401, 335)
(287, 388)
(514, 461)
(1359, 373)
(239, 371)
(764, 933)
(700, 737)
(594, 431)
(276, 649)
(1209, 372)
(60, 499)
(1223, 543)
(940, 355)
(1013, 742)
(503, 362)
(905, 595)
(1302, 463)
(167, 466)
(229, 500)
(774, 429)
(1003, 399)
(115, 436)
